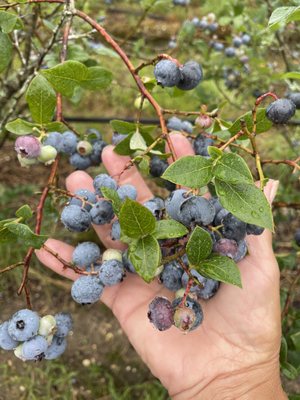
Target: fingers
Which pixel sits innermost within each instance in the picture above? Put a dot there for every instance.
(115, 164)
(182, 146)
(65, 251)
(261, 246)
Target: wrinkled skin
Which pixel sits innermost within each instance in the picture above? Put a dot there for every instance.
(236, 347)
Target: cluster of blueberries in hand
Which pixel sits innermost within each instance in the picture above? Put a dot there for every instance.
(227, 233)
(82, 153)
(35, 338)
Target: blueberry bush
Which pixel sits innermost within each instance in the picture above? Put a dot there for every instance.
(226, 80)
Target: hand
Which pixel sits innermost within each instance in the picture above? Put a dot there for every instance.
(234, 354)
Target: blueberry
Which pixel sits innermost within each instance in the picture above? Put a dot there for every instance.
(56, 348)
(295, 97)
(174, 202)
(64, 324)
(127, 263)
(171, 276)
(115, 230)
(156, 206)
(104, 180)
(198, 280)
(157, 166)
(175, 124)
(218, 46)
(237, 41)
(200, 145)
(80, 162)
(191, 75)
(69, 142)
(75, 218)
(161, 313)
(230, 52)
(28, 146)
(233, 228)
(220, 216)
(216, 203)
(94, 132)
(23, 325)
(85, 254)
(297, 237)
(86, 195)
(35, 348)
(210, 288)
(196, 210)
(102, 212)
(242, 251)
(111, 272)
(87, 289)
(203, 24)
(54, 139)
(167, 73)
(187, 126)
(117, 138)
(196, 21)
(6, 341)
(246, 39)
(127, 191)
(254, 229)
(280, 111)
(213, 27)
(226, 247)
(181, 2)
(187, 316)
(96, 154)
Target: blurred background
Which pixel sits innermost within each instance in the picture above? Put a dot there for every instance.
(99, 362)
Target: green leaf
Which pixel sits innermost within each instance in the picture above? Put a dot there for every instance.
(246, 202)
(66, 77)
(41, 99)
(169, 229)
(289, 370)
(7, 237)
(6, 48)
(232, 168)
(214, 152)
(24, 212)
(263, 123)
(136, 220)
(145, 256)
(190, 171)
(283, 350)
(6, 221)
(291, 75)
(112, 195)
(20, 127)
(123, 147)
(9, 22)
(295, 337)
(137, 142)
(199, 246)
(55, 126)
(28, 237)
(283, 15)
(123, 127)
(97, 78)
(221, 268)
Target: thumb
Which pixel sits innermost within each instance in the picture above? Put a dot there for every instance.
(261, 245)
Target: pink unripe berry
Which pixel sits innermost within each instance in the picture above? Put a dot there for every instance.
(28, 146)
(204, 121)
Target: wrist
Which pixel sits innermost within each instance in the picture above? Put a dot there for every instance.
(260, 383)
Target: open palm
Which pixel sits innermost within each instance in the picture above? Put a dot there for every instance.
(240, 334)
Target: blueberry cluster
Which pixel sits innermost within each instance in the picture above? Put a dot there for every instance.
(82, 153)
(105, 270)
(87, 207)
(185, 77)
(35, 338)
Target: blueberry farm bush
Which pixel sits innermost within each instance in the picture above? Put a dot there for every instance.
(228, 81)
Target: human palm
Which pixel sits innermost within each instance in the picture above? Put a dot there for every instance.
(241, 327)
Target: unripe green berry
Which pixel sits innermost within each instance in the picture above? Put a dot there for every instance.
(26, 162)
(84, 147)
(48, 154)
(47, 325)
(112, 254)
